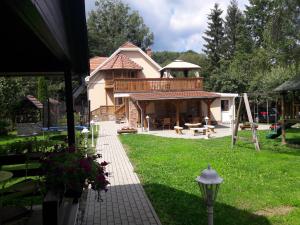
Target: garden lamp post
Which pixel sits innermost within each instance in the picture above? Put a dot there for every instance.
(206, 120)
(85, 132)
(92, 126)
(209, 182)
(148, 118)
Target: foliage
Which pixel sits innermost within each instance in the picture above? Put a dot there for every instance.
(113, 23)
(29, 145)
(253, 181)
(214, 37)
(68, 169)
(4, 126)
(42, 90)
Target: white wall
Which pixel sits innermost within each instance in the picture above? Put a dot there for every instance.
(149, 70)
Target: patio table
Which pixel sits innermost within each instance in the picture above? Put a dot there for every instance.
(190, 125)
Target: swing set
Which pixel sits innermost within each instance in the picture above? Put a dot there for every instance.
(235, 137)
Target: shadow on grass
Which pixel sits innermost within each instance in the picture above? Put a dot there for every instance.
(180, 208)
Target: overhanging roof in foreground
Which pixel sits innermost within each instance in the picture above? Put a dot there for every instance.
(173, 95)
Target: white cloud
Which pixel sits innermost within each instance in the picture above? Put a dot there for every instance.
(178, 25)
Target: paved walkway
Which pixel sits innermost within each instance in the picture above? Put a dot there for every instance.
(125, 202)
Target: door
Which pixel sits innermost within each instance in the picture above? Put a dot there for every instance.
(225, 113)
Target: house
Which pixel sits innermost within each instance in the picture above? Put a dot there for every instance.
(129, 85)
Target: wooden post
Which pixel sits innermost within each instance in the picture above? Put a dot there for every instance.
(208, 104)
(237, 120)
(200, 110)
(177, 113)
(283, 135)
(70, 110)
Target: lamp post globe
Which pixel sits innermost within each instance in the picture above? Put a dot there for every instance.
(206, 120)
(209, 183)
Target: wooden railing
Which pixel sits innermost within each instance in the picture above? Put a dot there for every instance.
(157, 84)
(109, 83)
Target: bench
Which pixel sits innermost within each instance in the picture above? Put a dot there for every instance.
(210, 128)
(198, 130)
(178, 129)
(247, 126)
(127, 131)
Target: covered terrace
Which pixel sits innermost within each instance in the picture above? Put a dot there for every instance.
(167, 109)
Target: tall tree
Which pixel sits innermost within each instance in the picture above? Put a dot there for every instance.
(214, 37)
(111, 24)
(257, 14)
(232, 20)
(282, 32)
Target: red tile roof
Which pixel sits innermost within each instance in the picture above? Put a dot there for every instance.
(96, 61)
(173, 95)
(34, 101)
(120, 61)
(128, 44)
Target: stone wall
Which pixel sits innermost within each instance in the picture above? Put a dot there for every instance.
(133, 114)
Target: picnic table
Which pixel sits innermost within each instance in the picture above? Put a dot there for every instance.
(190, 125)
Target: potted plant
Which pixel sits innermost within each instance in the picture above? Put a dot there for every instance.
(68, 171)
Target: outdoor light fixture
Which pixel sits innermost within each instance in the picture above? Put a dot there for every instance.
(206, 120)
(209, 182)
(92, 126)
(86, 132)
(148, 118)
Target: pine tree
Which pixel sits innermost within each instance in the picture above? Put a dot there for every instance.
(232, 20)
(214, 37)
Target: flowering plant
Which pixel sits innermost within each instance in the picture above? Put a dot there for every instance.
(69, 170)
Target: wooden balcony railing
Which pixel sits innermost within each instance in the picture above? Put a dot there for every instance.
(157, 84)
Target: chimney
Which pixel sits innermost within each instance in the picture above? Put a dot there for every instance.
(149, 52)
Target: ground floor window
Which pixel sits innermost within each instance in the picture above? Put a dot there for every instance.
(225, 105)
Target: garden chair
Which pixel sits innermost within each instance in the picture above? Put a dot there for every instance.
(167, 123)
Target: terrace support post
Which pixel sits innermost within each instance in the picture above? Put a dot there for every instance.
(200, 110)
(70, 110)
(208, 103)
(283, 135)
(177, 113)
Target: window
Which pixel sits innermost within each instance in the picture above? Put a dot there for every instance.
(224, 105)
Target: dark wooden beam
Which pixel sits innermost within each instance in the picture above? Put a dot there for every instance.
(70, 110)
(283, 134)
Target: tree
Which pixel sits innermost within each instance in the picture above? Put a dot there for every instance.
(214, 37)
(112, 24)
(231, 25)
(42, 90)
(282, 32)
(257, 15)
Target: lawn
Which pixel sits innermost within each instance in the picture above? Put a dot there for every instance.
(260, 188)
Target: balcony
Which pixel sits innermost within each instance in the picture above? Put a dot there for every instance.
(133, 85)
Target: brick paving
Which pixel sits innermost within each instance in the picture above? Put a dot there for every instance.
(125, 202)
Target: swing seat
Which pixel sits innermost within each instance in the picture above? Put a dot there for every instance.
(274, 134)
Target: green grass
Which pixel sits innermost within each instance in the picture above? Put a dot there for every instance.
(253, 181)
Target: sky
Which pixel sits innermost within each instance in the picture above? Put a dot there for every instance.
(178, 25)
